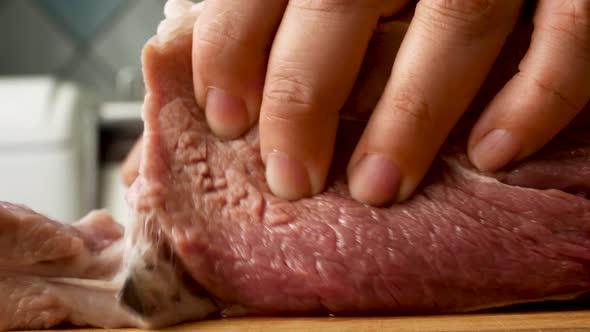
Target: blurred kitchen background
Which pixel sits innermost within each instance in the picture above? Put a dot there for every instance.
(70, 100)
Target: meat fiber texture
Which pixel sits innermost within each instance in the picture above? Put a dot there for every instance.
(208, 239)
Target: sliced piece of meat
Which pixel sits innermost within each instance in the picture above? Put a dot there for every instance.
(466, 241)
(52, 273)
(31, 243)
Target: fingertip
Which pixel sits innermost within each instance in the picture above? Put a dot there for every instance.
(494, 150)
(374, 180)
(287, 178)
(226, 114)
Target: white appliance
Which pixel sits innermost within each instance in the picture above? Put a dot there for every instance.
(48, 146)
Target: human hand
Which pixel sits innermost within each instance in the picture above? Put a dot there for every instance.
(291, 65)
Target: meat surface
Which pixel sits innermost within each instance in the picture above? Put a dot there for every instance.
(53, 273)
(43, 264)
(207, 236)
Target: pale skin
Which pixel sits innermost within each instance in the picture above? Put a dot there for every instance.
(290, 64)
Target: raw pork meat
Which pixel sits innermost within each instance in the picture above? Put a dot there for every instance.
(207, 237)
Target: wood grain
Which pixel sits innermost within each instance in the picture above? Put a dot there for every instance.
(561, 321)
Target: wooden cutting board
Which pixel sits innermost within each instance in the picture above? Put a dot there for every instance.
(557, 321)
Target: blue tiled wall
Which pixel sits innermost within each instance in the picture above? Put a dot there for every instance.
(94, 42)
(82, 19)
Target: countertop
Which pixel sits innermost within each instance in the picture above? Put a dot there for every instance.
(577, 320)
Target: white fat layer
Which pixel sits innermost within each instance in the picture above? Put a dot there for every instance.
(180, 18)
(94, 302)
(157, 278)
(468, 173)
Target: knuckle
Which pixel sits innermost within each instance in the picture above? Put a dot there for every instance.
(575, 14)
(411, 108)
(466, 9)
(289, 86)
(220, 30)
(474, 17)
(326, 5)
(570, 106)
(571, 18)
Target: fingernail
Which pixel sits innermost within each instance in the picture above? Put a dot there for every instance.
(374, 180)
(226, 115)
(286, 177)
(495, 150)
